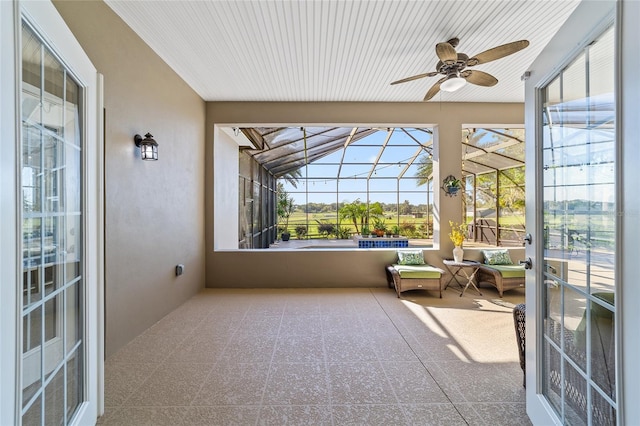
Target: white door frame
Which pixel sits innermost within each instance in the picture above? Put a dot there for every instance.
(590, 19)
(8, 213)
(51, 27)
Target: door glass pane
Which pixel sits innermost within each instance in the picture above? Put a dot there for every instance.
(75, 376)
(52, 284)
(33, 416)
(54, 400)
(579, 222)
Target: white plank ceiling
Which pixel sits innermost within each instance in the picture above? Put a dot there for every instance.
(346, 50)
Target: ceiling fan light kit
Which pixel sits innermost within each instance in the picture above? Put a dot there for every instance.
(452, 65)
(452, 84)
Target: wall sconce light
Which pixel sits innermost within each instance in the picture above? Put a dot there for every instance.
(148, 146)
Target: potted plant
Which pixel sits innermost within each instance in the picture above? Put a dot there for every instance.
(379, 227)
(285, 208)
(395, 230)
(451, 185)
(457, 236)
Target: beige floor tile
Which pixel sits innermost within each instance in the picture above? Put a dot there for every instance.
(342, 324)
(297, 384)
(499, 414)
(299, 415)
(234, 383)
(302, 307)
(306, 325)
(123, 379)
(479, 382)
(370, 415)
(413, 384)
(299, 348)
(200, 348)
(249, 348)
(183, 321)
(359, 383)
(348, 348)
(148, 348)
(221, 415)
(259, 325)
(434, 414)
(220, 324)
(323, 356)
(390, 347)
(145, 416)
(171, 384)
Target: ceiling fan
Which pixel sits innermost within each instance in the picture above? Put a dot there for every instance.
(453, 66)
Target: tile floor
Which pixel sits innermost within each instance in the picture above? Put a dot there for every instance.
(323, 357)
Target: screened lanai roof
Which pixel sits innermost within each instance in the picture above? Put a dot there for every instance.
(285, 150)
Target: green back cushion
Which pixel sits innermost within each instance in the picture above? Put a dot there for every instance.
(497, 257)
(410, 257)
(418, 271)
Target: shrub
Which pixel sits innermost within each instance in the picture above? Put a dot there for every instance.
(408, 229)
(343, 233)
(326, 229)
(301, 231)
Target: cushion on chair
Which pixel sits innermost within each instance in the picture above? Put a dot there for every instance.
(410, 257)
(417, 271)
(509, 271)
(497, 257)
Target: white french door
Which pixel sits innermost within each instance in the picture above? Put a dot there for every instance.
(57, 245)
(572, 347)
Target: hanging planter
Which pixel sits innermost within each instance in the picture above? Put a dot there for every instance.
(451, 186)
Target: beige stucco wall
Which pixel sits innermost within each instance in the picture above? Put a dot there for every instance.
(154, 211)
(323, 268)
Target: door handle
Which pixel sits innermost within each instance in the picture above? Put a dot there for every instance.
(527, 263)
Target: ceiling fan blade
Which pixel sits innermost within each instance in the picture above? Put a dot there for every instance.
(434, 89)
(497, 52)
(416, 77)
(446, 53)
(479, 77)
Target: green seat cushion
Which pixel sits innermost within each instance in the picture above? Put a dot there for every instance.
(418, 271)
(508, 271)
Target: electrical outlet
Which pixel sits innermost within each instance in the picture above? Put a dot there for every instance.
(179, 269)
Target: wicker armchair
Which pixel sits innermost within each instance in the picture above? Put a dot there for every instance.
(415, 277)
(501, 276)
(519, 315)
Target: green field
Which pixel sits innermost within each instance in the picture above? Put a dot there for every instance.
(409, 224)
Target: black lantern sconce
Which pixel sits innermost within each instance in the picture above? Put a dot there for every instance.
(451, 185)
(148, 147)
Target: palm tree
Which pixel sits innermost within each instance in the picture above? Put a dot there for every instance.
(293, 177)
(358, 211)
(354, 212)
(425, 169)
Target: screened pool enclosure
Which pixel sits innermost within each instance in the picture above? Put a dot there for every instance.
(337, 182)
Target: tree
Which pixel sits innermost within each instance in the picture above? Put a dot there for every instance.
(360, 212)
(284, 206)
(292, 177)
(425, 169)
(354, 212)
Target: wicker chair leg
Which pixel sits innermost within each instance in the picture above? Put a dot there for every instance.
(519, 321)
